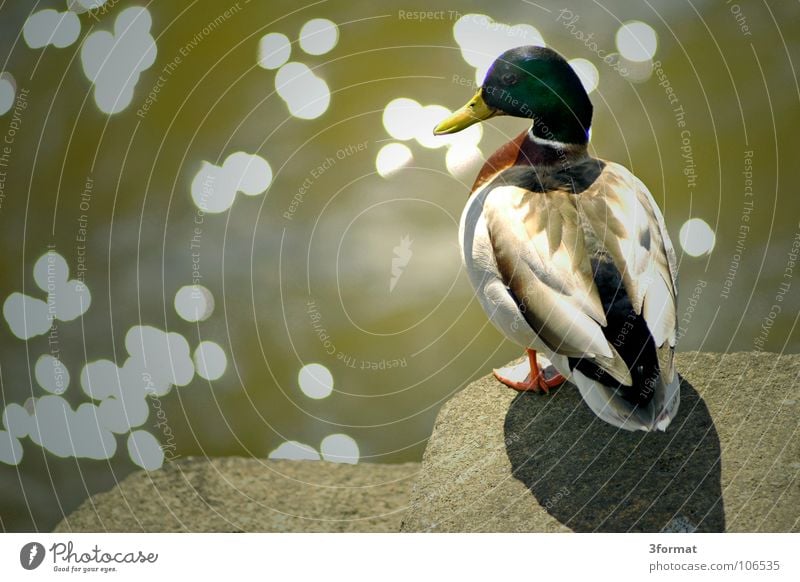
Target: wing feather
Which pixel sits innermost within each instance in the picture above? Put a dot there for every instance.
(550, 276)
(635, 235)
(542, 240)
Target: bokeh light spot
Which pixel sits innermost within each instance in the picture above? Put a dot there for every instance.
(145, 450)
(428, 118)
(100, 379)
(194, 303)
(391, 158)
(340, 448)
(49, 26)
(81, 6)
(696, 237)
(70, 433)
(10, 449)
(295, 451)
(463, 161)
(637, 41)
(17, 420)
(114, 61)
(396, 117)
(158, 360)
(274, 49)
(51, 374)
(66, 299)
(316, 381)
(8, 92)
(26, 316)
(587, 73)
(252, 173)
(214, 187)
(306, 95)
(319, 36)
(210, 360)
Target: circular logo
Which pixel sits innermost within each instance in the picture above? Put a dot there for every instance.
(31, 555)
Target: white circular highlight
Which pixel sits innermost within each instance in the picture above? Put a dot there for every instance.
(145, 450)
(10, 449)
(463, 161)
(587, 73)
(429, 117)
(306, 95)
(252, 173)
(316, 381)
(340, 448)
(295, 451)
(49, 26)
(51, 374)
(391, 158)
(8, 92)
(113, 61)
(65, 432)
(17, 420)
(120, 416)
(194, 303)
(210, 360)
(637, 41)
(274, 49)
(100, 379)
(164, 358)
(50, 271)
(26, 316)
(81, 6)
(319, 36)
(214, 187)
(396, 117)
(696, 237)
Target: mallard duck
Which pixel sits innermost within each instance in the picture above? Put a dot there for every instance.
(568, 254)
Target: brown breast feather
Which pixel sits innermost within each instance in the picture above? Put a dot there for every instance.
(503, 158)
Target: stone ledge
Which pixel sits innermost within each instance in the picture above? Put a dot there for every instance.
(502, 461)
(508, 462)
(252, 495)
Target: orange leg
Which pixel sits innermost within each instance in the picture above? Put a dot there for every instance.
(535, 380)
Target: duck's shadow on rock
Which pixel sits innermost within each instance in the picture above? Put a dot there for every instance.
(591, 476)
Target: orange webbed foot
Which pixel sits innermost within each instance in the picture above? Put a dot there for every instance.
(528, 376)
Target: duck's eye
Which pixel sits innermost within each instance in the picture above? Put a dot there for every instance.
(509, 79)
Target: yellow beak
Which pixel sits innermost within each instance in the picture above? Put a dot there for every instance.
(473, 112)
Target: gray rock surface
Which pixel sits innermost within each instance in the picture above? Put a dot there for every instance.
(236, 494)
(502, 461)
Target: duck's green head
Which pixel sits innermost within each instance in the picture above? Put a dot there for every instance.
(533, 82)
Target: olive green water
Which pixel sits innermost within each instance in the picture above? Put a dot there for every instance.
(303, 272)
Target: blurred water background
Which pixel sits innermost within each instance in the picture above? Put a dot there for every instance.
(227, 229)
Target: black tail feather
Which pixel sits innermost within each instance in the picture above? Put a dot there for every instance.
(627, 331)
